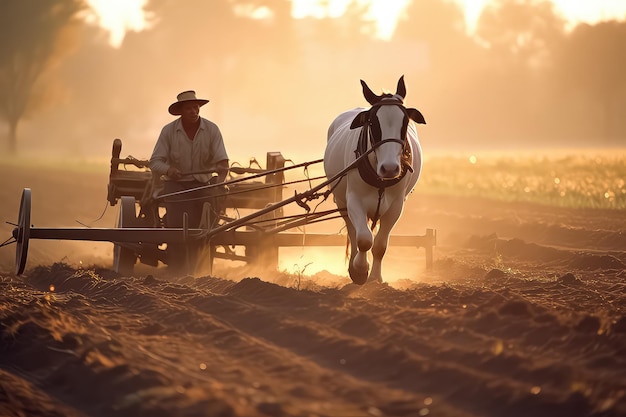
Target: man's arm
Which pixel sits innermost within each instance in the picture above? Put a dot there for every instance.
(222, 170)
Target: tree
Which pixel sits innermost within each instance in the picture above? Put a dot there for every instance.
(439, 26)
(31, 33)
(521, 32)
(592, 64)
(520, 38)
(444, 62)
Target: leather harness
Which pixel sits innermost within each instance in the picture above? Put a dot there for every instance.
(366, 170)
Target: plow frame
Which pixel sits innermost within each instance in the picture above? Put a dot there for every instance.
(140, 234)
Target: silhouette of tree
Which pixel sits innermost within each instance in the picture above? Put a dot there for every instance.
(219, 41)
(340, 45)
(264, 46)
(444, 61)
(592, 65)
(439, 27)
(272, 34)
(519, 39)
(521, 32)
(30, 31)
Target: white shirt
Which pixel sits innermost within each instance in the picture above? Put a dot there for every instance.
(175, 149)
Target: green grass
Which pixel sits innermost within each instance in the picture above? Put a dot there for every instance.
(576, 180)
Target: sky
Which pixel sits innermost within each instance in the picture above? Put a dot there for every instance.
(118, 17)
(121, 16)
(574, 11)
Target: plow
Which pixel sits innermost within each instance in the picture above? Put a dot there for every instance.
(244, 219)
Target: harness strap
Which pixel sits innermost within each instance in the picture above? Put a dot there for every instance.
(381, 191)
(367, 171)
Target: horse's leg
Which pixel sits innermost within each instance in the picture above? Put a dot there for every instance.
(353, 249)
(387, 222)
(361, 242)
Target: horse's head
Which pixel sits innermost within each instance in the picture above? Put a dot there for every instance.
(387, 121)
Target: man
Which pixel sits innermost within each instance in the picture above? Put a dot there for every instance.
(189, 153)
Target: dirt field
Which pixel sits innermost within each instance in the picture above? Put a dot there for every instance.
(523, 314)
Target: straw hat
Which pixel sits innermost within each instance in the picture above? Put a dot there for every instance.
(185, 97)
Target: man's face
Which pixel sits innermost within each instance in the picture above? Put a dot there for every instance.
(190, 112)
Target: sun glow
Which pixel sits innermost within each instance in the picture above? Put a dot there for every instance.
(590, 11)
(121, 16)
(574, 12)
(384, 13)
(387, 12)
(118, 17)
(472, 10)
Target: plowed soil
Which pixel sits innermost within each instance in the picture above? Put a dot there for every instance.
(523, 314)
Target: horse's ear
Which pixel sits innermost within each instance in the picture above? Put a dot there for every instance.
(401, 89)
(360, 119)
(369, 94)
(416, 116)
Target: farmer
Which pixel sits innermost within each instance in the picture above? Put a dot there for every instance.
(189, 153)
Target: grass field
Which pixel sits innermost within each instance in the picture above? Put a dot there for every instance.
(583, 180)
(574, 179)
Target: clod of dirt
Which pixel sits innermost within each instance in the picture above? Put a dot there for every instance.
(487, 243)
(593, 262)
(588, 324)
(569, 279)
(149, 280)
(516, 308)
(495, 274)
(620, 325)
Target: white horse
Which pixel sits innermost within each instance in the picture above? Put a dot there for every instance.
(390, 161)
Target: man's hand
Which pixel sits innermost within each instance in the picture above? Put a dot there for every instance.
(222, 170)
(174, 173)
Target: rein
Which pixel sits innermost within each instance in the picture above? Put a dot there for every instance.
(367, 171)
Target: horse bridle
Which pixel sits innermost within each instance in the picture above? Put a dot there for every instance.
(366, 170)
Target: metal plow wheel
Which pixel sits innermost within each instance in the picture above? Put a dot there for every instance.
(127, 238)
(21, 233)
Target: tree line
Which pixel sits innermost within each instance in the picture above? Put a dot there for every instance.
(523, 77)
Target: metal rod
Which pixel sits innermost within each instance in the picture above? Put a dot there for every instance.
(236, 170)
(237, 180)
(139, 163)
(130, 234)
(231, 237)
(295, 239)
(301, 220)
(243, 220)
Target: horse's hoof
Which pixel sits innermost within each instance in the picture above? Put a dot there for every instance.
(357, 277)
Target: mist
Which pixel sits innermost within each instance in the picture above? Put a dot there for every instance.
(522, 81)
